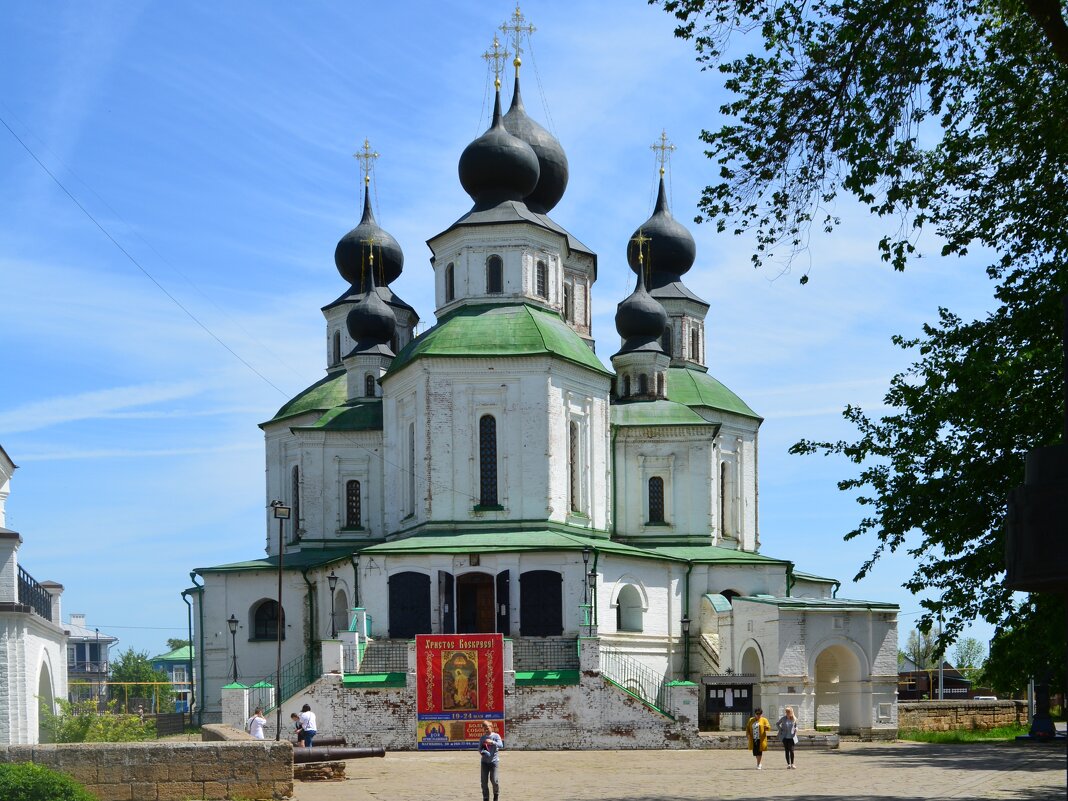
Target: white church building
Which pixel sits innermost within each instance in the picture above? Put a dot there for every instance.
(33, 643)
(493, 474)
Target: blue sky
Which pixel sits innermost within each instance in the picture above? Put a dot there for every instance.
(214, 142)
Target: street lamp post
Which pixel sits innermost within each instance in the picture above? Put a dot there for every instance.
(232, 623)
(332, 581)
(281, 514)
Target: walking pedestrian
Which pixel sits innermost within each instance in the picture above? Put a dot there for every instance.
(756, 731)
(787, 726)
(489, 745)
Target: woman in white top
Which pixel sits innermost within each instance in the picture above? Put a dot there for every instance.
(307, 722)
(256, 723)
(788, 734)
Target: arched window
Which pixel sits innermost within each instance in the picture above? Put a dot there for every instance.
(572, 465)
(695, 345)
(450, 283)
(494, 275)
(629, 609)
(643, 384)
(369, 385)
(411, 468)
(656, 499)
(337, 348)
(541, 280)
(352, 505)
(487, 456)
(665, 341)
(265, 621)
(660, 385)
(626, 386)
(294, 494)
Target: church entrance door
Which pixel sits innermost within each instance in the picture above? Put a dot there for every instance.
(475, 613)
(409, 605)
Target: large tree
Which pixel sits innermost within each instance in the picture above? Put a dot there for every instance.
(950, 117)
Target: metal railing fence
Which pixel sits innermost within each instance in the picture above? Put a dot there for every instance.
(634, 677)
(33, 595)
(296, 675)
(548, 653)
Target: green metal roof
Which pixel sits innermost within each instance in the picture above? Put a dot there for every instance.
(497, 541)
(833, 604)
(696, 388)
(655, 413)
(512, 330)
(811, 577)
(324, 394)
(714, 554)
(301, 560)
(183, 654)
(359, 415)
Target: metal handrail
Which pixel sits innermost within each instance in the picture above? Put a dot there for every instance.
(296, 675)
(635, 678)
(33, 595)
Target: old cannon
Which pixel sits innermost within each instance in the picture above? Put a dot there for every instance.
(324, 741)
(302, 756)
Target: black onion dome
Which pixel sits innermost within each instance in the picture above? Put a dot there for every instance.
(498, 166)
(351, 253)
(371, 322)
(671, 250)
(640, 319)
(552, 161)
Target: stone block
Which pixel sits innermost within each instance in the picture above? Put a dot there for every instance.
(114, 792)
(143, 791)
(214, 791)
(179, 791)
(253, 791)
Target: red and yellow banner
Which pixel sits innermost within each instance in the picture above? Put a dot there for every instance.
(460, 683)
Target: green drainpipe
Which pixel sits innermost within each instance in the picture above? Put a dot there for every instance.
(311, 613)
(199, 589)
(837, 587)
(593, 594)
(189, 628)
(686, 615)
(790, 580)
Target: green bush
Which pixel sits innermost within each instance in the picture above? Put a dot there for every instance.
(83, 722)
(26, 781)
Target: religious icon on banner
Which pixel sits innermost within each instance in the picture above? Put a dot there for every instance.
(459, 680)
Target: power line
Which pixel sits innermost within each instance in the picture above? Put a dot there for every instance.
(134, 261)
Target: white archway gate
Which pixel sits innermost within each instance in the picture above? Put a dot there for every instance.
(840, 691)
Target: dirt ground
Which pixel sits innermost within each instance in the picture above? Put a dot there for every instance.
(857, 771)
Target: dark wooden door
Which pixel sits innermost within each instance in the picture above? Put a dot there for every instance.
(541, 604)
(409, 605)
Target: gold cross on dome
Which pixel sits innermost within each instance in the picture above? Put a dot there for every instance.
(640, 239)
(495, 58)
(366, 157)
(515, 28)
(663, 148)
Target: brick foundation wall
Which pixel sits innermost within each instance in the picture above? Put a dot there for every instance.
(954, 715)
(171, 771)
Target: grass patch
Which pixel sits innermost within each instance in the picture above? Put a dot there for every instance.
(999, 734)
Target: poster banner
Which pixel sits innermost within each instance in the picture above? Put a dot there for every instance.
(459, 683)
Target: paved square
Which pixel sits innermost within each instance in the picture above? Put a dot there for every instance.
(861, 771)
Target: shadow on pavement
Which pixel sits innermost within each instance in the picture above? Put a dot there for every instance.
(965, 756)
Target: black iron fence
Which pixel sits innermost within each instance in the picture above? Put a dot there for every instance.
(33, 595)
(545, 653)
